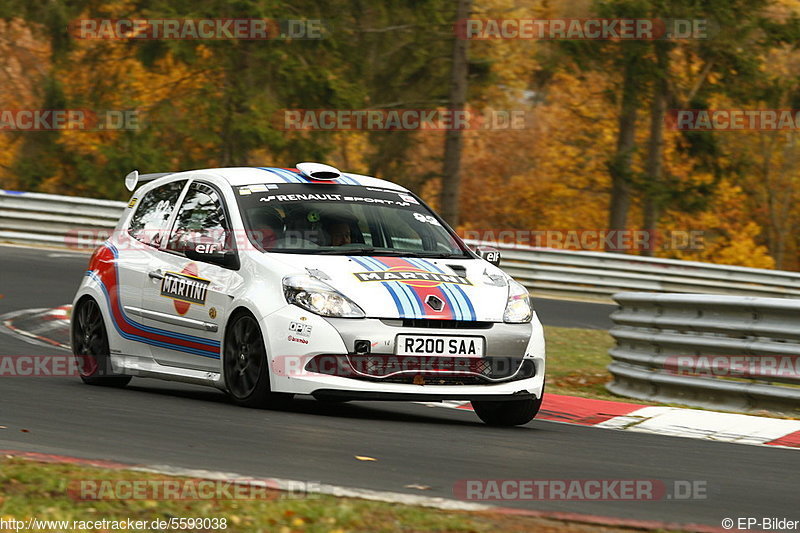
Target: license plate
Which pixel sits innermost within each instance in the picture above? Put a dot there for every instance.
(439, 345)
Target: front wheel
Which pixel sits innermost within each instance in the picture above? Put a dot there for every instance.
(90, 347)
(507, 413)
(245, 364)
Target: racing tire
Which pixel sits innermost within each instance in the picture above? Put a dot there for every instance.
(507, 413)
(89, 341)
(244, 362)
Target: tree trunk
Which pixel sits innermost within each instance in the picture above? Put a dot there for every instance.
(451, 178)
(620, 165)
(654, 188)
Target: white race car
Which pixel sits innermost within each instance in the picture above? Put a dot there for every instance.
(270, 282)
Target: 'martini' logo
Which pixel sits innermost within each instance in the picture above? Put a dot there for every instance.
(416, 277)
(185, 288)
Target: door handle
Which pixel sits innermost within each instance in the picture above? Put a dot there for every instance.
(155, 274)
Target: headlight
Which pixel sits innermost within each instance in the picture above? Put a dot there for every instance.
(319, 298)
(518, 308)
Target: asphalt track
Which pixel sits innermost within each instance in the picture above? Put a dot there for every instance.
(154, 422)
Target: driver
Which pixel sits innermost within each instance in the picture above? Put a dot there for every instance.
(338, 231)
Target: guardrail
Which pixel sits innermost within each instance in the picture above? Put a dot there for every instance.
(56, 220)
(724, 352)
(604, 274)
(36, 218)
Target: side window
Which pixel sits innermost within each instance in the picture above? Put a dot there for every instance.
(201, 220)
(149, 222)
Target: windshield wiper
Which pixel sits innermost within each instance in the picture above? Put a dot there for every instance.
(347, 251)
(368, 250)
(438, 255)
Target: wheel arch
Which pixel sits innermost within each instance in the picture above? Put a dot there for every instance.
(79, 301)
(239, 309)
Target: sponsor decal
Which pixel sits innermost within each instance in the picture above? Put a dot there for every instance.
(413, 276)
(103, 271)
(132, 203)
(300, 197)
(422, 278)
(408, 198)
(185, 288)
(212, 313)
(296, 339)
(304, 330)
(258, 187)
(314, 197)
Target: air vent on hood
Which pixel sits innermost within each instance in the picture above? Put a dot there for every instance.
(461, 270)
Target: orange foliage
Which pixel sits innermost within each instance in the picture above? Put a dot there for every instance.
(24, 62)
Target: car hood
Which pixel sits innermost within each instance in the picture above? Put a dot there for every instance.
(406, 287)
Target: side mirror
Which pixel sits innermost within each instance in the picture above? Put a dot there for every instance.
(196, 250)
(224, 259)
(489, 254)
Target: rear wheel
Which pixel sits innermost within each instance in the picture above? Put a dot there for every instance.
(245, 365)
(507, 413)
(90, 346)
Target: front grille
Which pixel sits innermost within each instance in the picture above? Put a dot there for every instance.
(432, 323)
(437, 380)
(434, 370)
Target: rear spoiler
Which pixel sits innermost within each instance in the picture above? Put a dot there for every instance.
(133, 179)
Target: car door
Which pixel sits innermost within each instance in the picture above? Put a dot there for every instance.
(186, 297)
(133, 251)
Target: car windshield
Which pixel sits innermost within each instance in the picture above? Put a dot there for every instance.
(336, 219)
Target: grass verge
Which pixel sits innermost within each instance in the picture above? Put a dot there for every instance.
(31, 489)
(576, 364)
(577, 361)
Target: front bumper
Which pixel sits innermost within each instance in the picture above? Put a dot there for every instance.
(379, 396)
(292, 372)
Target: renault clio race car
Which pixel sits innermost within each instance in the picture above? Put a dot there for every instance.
(271, 282)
